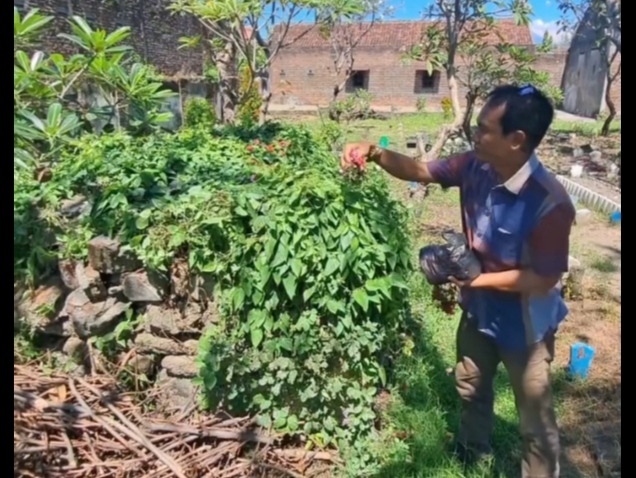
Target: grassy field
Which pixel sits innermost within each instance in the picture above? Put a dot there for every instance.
(423, 410)
(398, 128)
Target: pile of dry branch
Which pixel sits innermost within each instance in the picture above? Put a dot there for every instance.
(83, 427)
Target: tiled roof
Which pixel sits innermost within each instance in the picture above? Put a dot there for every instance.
(400, 34)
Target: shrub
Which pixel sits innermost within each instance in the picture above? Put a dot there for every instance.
(354, 106)
(447, 107)
(198, 112)
(420, 105)
(49, 107)
(309, 266)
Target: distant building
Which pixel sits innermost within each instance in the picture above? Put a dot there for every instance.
(303, 73)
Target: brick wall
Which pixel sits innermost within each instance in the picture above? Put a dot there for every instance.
(306, 77)
(154, 31)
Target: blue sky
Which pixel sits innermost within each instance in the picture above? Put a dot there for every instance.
(546, 14)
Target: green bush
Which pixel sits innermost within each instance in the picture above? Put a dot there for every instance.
(310, 268)
(198, 112)
(355, 106)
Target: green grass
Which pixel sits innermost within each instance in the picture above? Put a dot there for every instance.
(398, 128)
(425, 406)
(423, 415)
(424, 412)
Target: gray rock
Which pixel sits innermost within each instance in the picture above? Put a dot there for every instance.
(191, 347)
(163, 321)
(596, 156)
(148, 343)
(115, 291)
(93, 318)
(137, 287)
(196, 316)
(175, 393)
(583, 215)
(105, 255)
(75, 348)
(180, 366)
(67, 273)
(143, 364)
(90, 282)
(202, 287)
(75, 207)
(40, 309)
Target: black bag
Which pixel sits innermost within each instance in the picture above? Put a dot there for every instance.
(453, 259)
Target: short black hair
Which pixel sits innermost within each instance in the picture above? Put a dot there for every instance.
(527, 109)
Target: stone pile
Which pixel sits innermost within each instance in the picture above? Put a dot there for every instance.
(88, 300)
(456, 144)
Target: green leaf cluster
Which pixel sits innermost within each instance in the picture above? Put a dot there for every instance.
(310, 267)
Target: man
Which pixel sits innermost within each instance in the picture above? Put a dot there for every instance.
(517, 218)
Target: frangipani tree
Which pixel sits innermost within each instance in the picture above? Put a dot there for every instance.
(461, 29)
(254, 32)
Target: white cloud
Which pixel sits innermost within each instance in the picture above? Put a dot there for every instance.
(538, 28)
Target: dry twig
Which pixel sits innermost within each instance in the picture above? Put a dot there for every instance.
(87, 428)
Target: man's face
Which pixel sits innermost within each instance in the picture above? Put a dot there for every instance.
(490, 143)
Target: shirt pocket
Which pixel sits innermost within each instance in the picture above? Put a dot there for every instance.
(508, 242)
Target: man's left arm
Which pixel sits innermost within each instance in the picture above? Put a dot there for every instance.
(549, 246)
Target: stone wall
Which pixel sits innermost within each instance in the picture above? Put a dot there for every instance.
(84, 302)
(155, 32)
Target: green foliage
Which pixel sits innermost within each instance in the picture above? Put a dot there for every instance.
(251, 101)
(55, 97)
(198, 112)
(310, 267)
(239, 34)
(447, 107)
(355, 106)
(420, 105)
(505, 64)
(331, 133)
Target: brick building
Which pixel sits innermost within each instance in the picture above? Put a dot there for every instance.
(303, 72)
(155, 32)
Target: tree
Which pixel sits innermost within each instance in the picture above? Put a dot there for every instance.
(461, 28)
(253, 31)
(345, 34)
(49, 101)
(603, 16)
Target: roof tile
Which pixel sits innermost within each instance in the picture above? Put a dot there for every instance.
(400, 34)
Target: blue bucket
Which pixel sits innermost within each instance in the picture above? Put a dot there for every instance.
(615, 217)
(581, 357)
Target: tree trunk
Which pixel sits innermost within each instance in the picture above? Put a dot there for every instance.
(458, 119)
(266, 95)
(334, 115)
(605, 130)
(468, 117)
(226, 62)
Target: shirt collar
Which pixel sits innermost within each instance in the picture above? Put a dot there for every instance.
(515, 183)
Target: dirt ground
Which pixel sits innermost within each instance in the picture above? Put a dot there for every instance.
(557, 152)
(591, 410)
